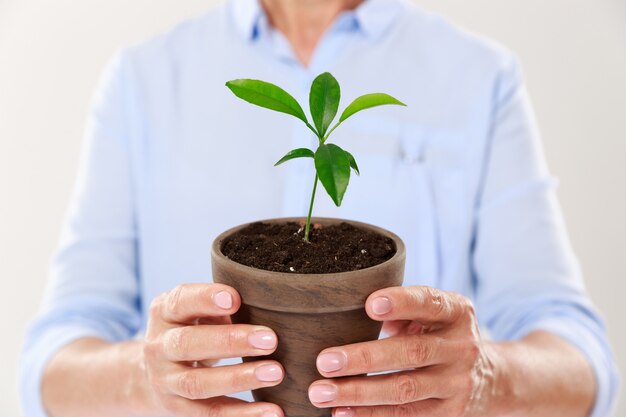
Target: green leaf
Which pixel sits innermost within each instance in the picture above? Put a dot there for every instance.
(296, 153)
(267, 95)
(324, 101)
(353, 164)
(333, 168)
(368, 101)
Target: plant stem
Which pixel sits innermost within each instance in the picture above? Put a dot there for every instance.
(308, 219)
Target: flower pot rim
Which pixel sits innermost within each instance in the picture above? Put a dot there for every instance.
(398, 243)
(318, 299)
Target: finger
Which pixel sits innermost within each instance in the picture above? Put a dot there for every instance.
(203, 383)
(426, 408)
(202, 342)
(387, 389)
(220, 406)
(423, 304)
(188, 302)
(394, 353)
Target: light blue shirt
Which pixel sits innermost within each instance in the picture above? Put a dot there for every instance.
(172, 159)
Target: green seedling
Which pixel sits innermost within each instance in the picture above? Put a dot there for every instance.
(332, 164)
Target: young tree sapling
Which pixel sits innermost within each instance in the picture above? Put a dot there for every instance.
(332, 163)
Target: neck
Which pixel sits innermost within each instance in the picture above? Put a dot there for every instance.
(303, 22)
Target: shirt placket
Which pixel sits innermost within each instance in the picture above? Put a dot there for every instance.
(301, 173)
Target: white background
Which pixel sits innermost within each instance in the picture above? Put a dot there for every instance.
(52, 51)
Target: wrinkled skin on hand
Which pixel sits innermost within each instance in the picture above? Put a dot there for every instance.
(441, 366)
(188, 332)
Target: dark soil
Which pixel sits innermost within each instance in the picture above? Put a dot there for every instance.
(281, 248)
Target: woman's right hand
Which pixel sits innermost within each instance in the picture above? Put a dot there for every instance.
(189, 330)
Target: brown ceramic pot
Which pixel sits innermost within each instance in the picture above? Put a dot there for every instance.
(308, 312)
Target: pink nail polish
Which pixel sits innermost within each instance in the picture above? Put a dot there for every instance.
(223, 300)
(344, 412)
(268, 373)
(381, 305)
(331, 361)
(263, 339)
(321, 393)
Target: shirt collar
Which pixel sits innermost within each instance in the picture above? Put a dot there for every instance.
(372, 17)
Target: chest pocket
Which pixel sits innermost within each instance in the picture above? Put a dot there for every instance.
(394, 191)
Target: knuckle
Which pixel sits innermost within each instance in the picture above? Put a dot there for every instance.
(405, 389)
(467, 307)
(365, 356)
(434, 295)
(472, 349)
(151, 348)
(438, 301)
(174, 300)
(414, 295)
(468, 352)
(356, 394)
(178, 343)
(230, 336)
(417, 353)
(156, 307)
(206, 292)
(189, 386)
(237, 382)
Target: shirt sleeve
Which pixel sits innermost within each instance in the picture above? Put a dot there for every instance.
(93, 285)
(526, 276)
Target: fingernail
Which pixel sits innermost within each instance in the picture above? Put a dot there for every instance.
(321, 393)
(269, 414)
(268, 373)
(331, 362)
(344, 412)
(262, 339)
(381, 305)
(223, 299)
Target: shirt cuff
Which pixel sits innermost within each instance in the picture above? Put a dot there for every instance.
(35, 358)
(597, 354)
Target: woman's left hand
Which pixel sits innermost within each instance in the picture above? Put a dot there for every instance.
(444, 369)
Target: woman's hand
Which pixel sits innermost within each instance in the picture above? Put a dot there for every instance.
(444, 368)
(189, 330)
